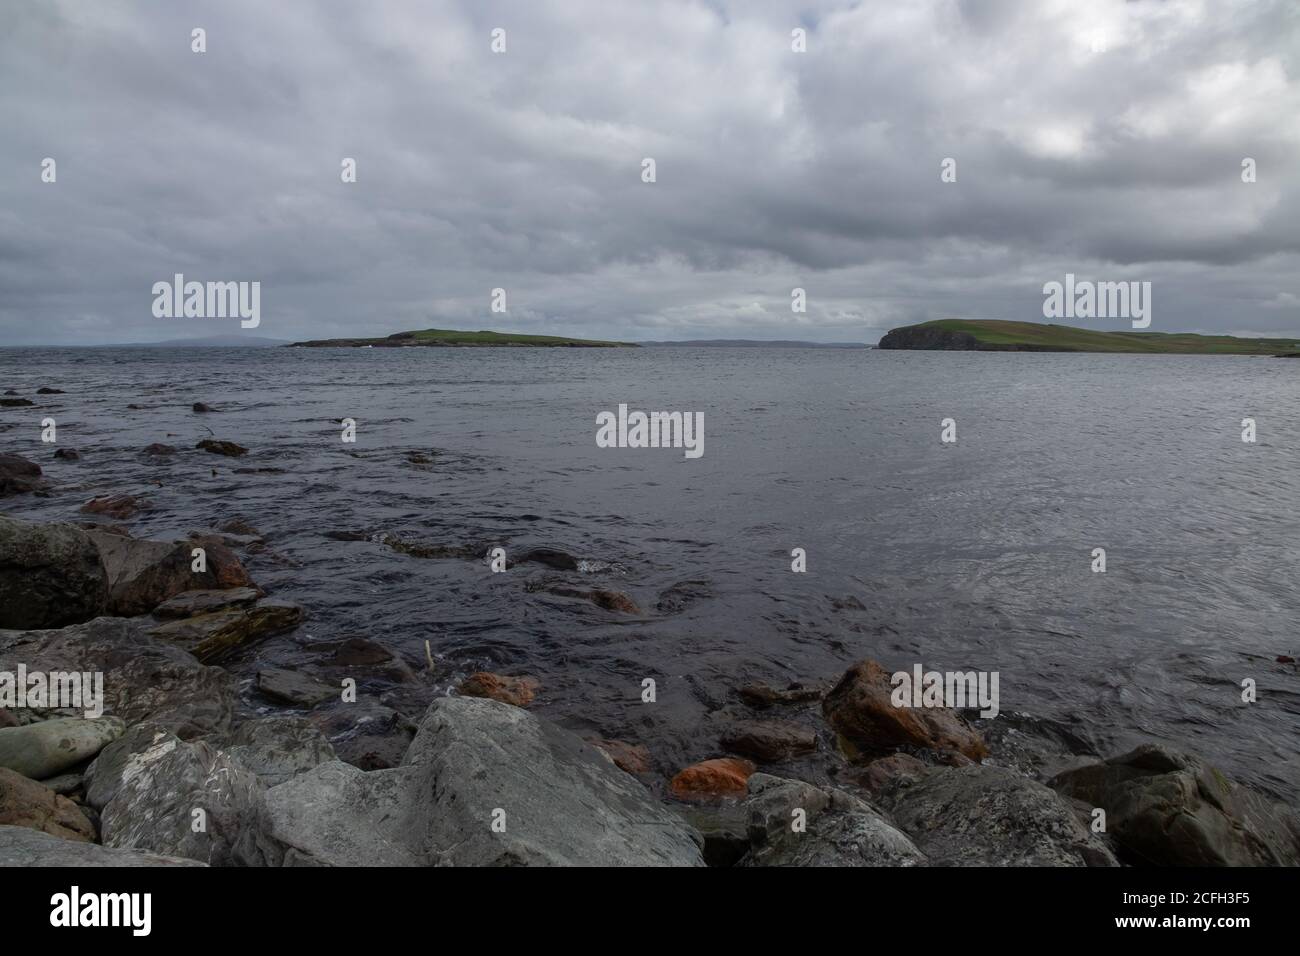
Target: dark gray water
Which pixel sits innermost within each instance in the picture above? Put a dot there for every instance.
(968, 556)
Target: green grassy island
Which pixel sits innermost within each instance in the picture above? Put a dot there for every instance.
(992, 335)
(454, 338)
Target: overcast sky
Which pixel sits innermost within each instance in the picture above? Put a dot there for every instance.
(1100, 138)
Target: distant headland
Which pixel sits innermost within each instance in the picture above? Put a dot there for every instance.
(453, 338)
(992, 335)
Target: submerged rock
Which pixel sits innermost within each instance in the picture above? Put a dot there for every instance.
(158, 450)
(221, 447)
(68, 454)
(631, 758)
(49, 747)
(551, 557)
(768, 740)
(982, 815)
(119, 507)
(762, 695)
(792, 823)
(26, 803)
(860, 710)
(517, 691)
(24, 847)
(1168, 808)
(19, 476)
(50, 575)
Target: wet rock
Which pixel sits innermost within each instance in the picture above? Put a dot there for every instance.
(762, 695)
(158, 450)
(346, 535)
(420, 549)
(357, 652)
(162, 788)
(792, 823)
(860, 710)
(768, 740)
(45, 390)
(473, 758)
(10, 391)
(143, 574)
(50, 575)
(888, 771)
(119, 507)
(200, 407)
(144, 680)
(338, 815)
(601, 597)
(719, 778)
(551, 557)
(1167, 808)
(24, 847)
(277, 749)
(210, 637)
(221, 447)
(631, 758)
(984, 815)
(16, 402)
(677, 597)
(68, 454)
(365, 734)
(26, 803)
(19, 476)
(193, 603)
(49, 747)
(518, 691)
(293, 688)
(241, 527)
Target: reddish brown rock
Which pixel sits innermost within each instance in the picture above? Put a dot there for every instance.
(713, 779)
(221, 447)
(632, 758)
(613, 601)
(143, 574)
(26, 803)
(113, 506)
(886, 770)
(861, 711)
(518, 691)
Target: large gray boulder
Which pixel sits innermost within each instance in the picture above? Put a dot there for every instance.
(984, 815)
(26, 803)
(144, 680)
(21, 846)
(190, 800)
(833, 829)
(338, 815)
(483, 784)
(1169, 808)
(495, 785)
(48, 747)
(278, 749)
(50, 575)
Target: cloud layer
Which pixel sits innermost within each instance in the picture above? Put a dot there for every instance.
(1104, 139)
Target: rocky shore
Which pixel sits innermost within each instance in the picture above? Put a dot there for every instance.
(365, 761)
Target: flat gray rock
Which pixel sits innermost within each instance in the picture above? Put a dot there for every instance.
(20, 846)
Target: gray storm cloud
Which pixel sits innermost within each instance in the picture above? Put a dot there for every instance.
(1103, 139)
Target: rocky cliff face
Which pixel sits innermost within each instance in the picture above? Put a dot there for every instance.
(929, 337)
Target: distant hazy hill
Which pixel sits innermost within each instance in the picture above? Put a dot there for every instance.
(991, 335)
(213, 341)
(455, 338)
(755, 344)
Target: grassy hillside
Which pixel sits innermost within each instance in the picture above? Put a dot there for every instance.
(995, 335)
(457, 338)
